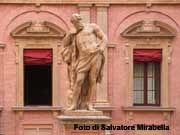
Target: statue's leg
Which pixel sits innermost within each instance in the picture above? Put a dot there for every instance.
(77, 89)
(93, 74)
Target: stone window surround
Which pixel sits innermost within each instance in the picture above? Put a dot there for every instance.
(148, 41)
(45, 36)
(21, 45)
(158, 44)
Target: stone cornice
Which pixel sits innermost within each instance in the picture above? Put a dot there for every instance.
(38, 108)
(160, 2)
(38, 29)
(149, 109)
(149, 28)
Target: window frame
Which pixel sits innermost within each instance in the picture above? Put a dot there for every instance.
(25, 100)
(29, 92)
(145, 89)
(156, 43)
(33, 44)
(38, 35)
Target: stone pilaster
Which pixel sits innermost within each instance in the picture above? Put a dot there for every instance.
(102, 90)
(84, 10)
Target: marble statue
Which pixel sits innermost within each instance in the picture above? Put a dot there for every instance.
(83, 48)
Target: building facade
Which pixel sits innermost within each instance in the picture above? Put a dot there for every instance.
(140, 85)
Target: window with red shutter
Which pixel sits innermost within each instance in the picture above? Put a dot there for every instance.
(37, 77)
(147, 76)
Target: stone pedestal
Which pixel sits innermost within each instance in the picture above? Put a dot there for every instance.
(83, 122)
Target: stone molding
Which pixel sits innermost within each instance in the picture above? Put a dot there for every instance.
(102, 5)
(34, 35)
(160, 2)
(148, 109)
(83, 117)
(149, 35)
(166, 111)
(104, 108)
(149, 29)
(85, 5)
(38, 29)
(38, 108)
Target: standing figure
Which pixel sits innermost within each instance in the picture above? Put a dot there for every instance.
(83, 53)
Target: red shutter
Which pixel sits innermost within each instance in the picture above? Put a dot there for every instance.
(37, 56)
(147, 55)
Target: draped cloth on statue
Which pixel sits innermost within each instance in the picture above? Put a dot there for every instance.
(86, 65)
(77, 65)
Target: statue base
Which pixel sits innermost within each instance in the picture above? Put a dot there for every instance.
(81, 122)
(83, 117)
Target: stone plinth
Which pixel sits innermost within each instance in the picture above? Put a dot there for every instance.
(83, 117)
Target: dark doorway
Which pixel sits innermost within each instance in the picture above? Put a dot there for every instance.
(37, 85)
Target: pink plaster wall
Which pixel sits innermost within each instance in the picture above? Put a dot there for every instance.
(119, 18)
(13, 16)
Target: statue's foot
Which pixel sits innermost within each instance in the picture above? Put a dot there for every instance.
(71, 108)
(90, 107)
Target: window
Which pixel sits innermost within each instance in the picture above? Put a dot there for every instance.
(155, 39)
(146, 83)
(37, 77)
(37, 130)
(146, 77)
(34, 35)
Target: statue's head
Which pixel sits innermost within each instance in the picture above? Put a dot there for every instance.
(76, 21)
